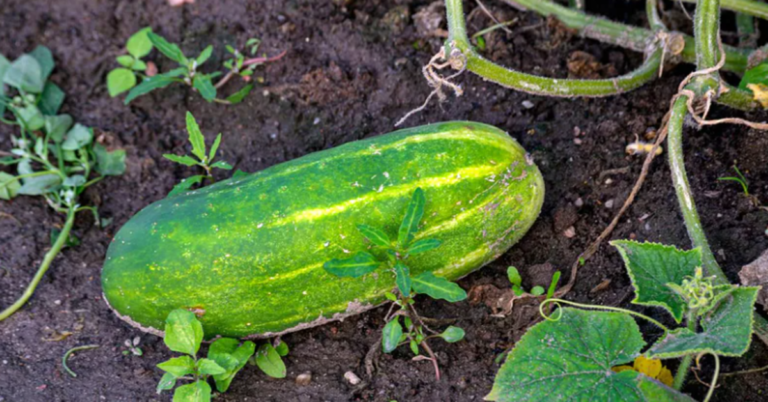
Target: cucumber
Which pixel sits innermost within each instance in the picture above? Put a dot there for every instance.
(247, 254)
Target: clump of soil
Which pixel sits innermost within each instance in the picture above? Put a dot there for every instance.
(352, 70)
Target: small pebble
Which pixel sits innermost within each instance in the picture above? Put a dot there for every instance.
(316, 121)
(576, 131)
(570, 232)
(352, 378)
(578, 203)
(57, 302)
(577, 141)
(632, 236)
(766, 231)
(304, 378)
(609, 203)
(527, 104)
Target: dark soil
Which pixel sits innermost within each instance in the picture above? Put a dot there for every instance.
(352, 70)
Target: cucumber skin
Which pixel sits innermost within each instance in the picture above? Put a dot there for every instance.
(246, 255)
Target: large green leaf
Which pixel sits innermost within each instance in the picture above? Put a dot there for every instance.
(270, 362)
(353, 267)
(438, 288)
(571, 360)
(170, 50)
(147, 86)
(25, 74)
(183, 332)
(726, 331)
(230, 355)
(413, 214)
(652, 266)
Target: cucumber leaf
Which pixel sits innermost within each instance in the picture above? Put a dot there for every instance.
(652, 266)
(727, 331)
(572, 359)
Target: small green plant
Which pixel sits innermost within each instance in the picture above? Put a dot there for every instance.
(135, 77)
(394, 255)
(516, 280)
(586, 352)
(739, 178)
(54, 157)
(133, 347)
(226, 357)
(200, 157)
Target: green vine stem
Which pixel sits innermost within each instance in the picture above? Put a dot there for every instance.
(69, 352)
(652, 12)
(749, 7)
(685, 364)
(706, 30)
(623, 35)
(49, 256)
(458, 40)
(713, 383)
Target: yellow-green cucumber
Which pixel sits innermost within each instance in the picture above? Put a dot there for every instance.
(247, 254)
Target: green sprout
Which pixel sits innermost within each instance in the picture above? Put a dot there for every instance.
(516, 280)
(226, 357)
(739, 178)
(136, 77)
(54, 157)
(200, 157)
(394, 255)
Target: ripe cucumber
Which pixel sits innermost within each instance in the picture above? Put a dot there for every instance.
(247, 254)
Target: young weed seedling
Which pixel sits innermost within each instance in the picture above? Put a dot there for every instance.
(133, 347)
(516, 280)
(579, 349)
(54, 157)
(739, 178)
(226, 357)
(394, 254)
(135, 77)
(200, 157)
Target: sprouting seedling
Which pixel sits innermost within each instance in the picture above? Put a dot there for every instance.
(394, 254)
(136, 78)
(54, 157)
(133, 347)
(200, 157)
(516, 280)
(226, 356)
(739, 178)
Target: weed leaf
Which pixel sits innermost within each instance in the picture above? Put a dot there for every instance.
(195, 137)
(178, 366)
(215, 147)
(209, 367)
(147, 86)
(8, 186)
(413, 215)
(229, 354)
(166, 383)
(238, 96)
(57, 126)
(270, 362)
(77, 137)
(452, 334)
(44, 58)
(652, 266)
(109, 163)
(138, 44)
(183, 332)
(25, 74)
(51, 99)
(374, 235)
(403, 279)
(204, 85)
(120, 80)
(170, 50)
(204, 55)
(390, 335)
(423, 245)
(185, 185)
(182, 159)
(353, 267)
(198, 391)
(438, 288)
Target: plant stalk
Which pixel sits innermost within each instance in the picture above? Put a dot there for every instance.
(475, 63)
(623, 35)
(748, 7)
(49, 256)
(685, 364)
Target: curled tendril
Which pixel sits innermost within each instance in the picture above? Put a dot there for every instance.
(557, 302)
(713, 385)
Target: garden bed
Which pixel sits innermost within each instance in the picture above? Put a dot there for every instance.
(352, 69)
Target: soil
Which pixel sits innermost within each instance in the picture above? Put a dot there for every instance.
(351, 71)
